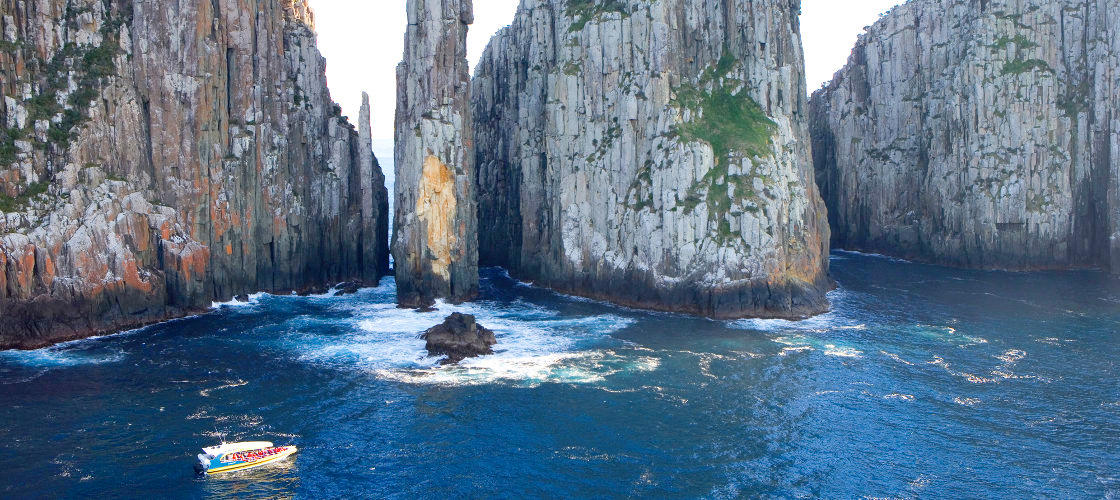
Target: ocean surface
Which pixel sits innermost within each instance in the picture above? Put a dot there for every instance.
(924, 381)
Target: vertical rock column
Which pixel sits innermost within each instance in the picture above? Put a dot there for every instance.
(435, 241)
(375, 203)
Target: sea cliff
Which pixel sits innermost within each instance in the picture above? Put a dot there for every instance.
(158, 156)
(979, 134)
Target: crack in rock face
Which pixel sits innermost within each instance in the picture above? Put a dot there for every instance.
(435, 207)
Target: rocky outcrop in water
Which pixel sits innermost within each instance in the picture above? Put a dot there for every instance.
(459, 337)
(978, 133)
(435, 231)
(653, 154)
(157, 156)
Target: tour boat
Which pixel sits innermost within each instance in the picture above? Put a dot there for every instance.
(228, 457)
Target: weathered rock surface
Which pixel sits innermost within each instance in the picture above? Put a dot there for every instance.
(161, 155)
(653, 154)
(459, 337)
(978, 133)
(435, 230)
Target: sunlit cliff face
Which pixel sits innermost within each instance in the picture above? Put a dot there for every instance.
(435, 206)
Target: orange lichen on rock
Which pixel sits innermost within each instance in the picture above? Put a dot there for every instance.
(435, 206)
(3, 275)
(194, 261)
(25, 271)
(132, 277)
(49, 271)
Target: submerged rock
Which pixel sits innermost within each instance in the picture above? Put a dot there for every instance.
(653, 154)
(978, 134)
(349, 287)
(459, 337)
(158, 156)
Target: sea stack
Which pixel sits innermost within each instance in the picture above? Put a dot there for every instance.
(653, 154)
(435, 231)
(159, 156)
(374, 203)
(978, 134)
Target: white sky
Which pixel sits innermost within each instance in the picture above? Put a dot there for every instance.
(363, 41)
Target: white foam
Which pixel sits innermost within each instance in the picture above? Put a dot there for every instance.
(950, 335)
(875, 255)
(1012, 356)
(1055, 341)
(833, 320)
(975, 379)
(535, 345)
(61, 355)
(896, 357)
(254, 299)
(842, 352)
(790, 350)
(227, 385)
(587, 367)
(799, 343)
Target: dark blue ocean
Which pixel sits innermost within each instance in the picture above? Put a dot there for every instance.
(923, 382)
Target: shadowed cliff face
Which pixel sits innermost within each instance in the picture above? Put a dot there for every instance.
(978, 134)
(653, 154)
(160, 156)
(435, 230)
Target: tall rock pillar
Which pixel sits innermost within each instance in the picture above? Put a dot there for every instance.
(375, 203)
(435, 241)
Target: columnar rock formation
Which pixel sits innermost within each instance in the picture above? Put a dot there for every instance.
(157, 156)
(653, 154)
(374, 203)
(978, 133)
(435, 230)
